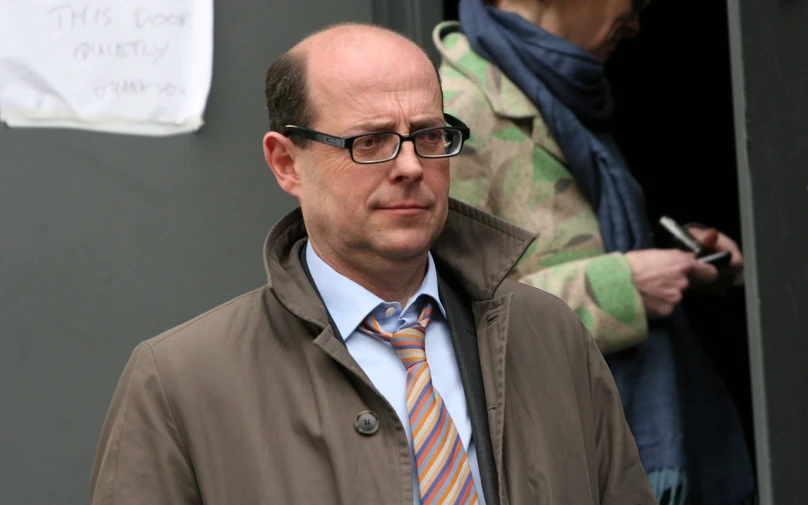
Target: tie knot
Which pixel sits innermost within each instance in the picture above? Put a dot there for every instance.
(409, 342)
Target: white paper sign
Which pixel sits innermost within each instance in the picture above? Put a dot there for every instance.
(125, 66)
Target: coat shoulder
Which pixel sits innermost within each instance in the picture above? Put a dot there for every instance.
(548, 314)
(543, 301)
(214, 327)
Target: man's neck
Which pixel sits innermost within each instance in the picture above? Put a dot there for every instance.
(390, 280)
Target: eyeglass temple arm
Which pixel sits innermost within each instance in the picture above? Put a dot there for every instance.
(460, 125)
(317, 136)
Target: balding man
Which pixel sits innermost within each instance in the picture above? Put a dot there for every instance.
(387, 360)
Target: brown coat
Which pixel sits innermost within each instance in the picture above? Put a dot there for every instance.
(255, 401)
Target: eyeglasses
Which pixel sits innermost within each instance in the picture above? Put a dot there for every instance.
(378, 147)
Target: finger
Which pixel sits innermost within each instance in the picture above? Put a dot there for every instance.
(708, 237)
(703, 272)
(660, 310)
(727, 244)
(736, 262)
(682, 261)
(674, 297)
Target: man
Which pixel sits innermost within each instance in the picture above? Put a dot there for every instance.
(528, 76)
(317, 388)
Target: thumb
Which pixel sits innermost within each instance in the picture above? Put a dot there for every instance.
(708, 237)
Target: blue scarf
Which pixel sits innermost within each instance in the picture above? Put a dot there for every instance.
(681, 415)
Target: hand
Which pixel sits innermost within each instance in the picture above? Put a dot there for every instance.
(713, 240)
(662, 275)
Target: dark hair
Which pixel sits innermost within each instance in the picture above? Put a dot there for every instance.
(287, 96)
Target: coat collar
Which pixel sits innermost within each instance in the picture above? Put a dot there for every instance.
(462, 65)
(506, 98)
(475, 250)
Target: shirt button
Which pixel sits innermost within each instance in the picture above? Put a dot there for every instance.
(390, 311)
(367, 423)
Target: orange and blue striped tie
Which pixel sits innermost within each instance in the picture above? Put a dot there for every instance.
(444, 474)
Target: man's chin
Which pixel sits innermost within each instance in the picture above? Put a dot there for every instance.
(403, 245)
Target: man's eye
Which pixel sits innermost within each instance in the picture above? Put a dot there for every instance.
(368, 142)
(431, 137)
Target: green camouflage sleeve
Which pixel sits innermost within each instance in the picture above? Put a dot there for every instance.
(503, 171)
(601, 291)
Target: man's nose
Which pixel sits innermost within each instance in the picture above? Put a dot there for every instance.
(407, 165)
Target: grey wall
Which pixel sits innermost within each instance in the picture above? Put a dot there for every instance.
(770, 81)
(413, 18)
(107, 240)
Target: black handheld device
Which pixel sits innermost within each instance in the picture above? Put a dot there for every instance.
(684, 240)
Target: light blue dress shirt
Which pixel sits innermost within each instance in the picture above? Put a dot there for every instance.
(349, 304)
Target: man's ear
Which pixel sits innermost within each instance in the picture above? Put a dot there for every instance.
(279, 152)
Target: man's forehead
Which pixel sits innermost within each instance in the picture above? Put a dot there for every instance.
(361, 48)
(388, 65)
(368, 71)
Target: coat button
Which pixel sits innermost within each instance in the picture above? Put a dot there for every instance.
(367, 423)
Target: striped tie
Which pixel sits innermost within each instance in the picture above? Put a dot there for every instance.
(444, 474)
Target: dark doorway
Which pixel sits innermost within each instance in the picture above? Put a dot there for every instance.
(674, 123)
(450, 9)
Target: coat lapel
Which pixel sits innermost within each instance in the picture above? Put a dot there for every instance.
(492, 331)
(464, 341)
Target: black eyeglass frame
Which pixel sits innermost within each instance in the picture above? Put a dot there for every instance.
(347, 142)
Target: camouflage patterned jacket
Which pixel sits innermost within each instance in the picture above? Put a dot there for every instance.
(513, 168)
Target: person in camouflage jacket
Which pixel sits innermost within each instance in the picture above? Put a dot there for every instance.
(513, 168)
(603, 262)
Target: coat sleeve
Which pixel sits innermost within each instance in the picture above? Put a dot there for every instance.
(140, 456)
(621, 477)
(503, 172)
(601, 291)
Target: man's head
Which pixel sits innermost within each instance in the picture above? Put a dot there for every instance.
(595, 25)
(345, 81)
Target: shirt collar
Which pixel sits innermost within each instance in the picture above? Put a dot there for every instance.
(349, 303)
